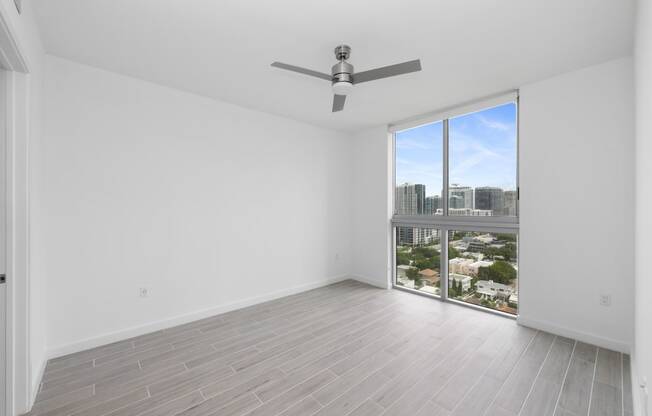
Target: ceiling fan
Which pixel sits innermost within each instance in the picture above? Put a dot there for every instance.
(343, 78)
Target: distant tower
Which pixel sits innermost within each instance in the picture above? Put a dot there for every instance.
(511, 198)
(460, 196)
(411, 199)
(491, 198)
(433, 203)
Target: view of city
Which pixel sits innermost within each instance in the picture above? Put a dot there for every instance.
(482, 159)
(482, 267)
(482, 201)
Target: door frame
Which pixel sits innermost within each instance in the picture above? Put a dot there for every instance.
(20, 391)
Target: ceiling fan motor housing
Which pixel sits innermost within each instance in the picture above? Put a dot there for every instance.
(342, 78)
(342, 52)
(342, 71)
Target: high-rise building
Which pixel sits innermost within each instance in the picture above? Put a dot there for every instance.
(511, 198)
(460, 196)
(410, 199)
(491, 198)
(456, 202)
(433, 203)
(416, 236)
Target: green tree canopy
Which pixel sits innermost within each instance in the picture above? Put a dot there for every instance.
(508, 252)
(425, 252)
(427, 263)
(499, 272)
(402, 258)
(455, 288)
(506, 237)
(412, 273)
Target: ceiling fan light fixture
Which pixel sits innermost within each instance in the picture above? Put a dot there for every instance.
(342, 87)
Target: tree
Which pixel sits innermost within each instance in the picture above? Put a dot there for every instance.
(412, 273)
(455, 289)
(453, 252)
(425, 252)
(508, 252)
(402, 258)
(422, 263)
(499, 272)
(506, 237)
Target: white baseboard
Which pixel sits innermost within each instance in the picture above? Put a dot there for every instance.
(608, 343)
(369, 281)
(60, 350)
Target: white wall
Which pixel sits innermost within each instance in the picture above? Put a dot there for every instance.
(208, 205)
(371, 210)
(576, 178)
(577, 193)
(642, 358)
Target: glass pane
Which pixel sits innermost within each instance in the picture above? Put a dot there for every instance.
(482, 149)
(483, 269)
(418, 259)
(419, 177)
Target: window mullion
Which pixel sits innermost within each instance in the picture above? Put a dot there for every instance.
(443, 237)
(443, 263)
(444, 196)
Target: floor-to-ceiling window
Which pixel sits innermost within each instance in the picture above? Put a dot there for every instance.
(456, 204)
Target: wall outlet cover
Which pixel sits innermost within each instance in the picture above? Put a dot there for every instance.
(605, 300)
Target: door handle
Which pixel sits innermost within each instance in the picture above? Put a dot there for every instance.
(3, 278)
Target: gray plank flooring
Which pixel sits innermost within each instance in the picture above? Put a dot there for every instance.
(345, 349)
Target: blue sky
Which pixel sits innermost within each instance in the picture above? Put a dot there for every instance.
(482, 151)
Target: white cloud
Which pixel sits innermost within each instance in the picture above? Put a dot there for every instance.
(410, 144)
(474, 154)
(493, 124)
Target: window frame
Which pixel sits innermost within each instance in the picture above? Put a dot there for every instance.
(446, 223)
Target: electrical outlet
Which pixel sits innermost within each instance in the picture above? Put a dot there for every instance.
(605, 300)
(143, 292)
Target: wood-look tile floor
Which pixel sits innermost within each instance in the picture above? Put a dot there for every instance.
(345, 349)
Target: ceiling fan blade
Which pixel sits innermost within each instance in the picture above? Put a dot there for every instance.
(338, 102)
(387, 71)
(302, 70)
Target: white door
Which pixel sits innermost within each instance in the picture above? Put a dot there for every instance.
(3, 243)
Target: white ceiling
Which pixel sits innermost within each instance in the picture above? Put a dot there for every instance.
(223, 48)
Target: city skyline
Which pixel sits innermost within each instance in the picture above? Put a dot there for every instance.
(451, 188)
(412, 199)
